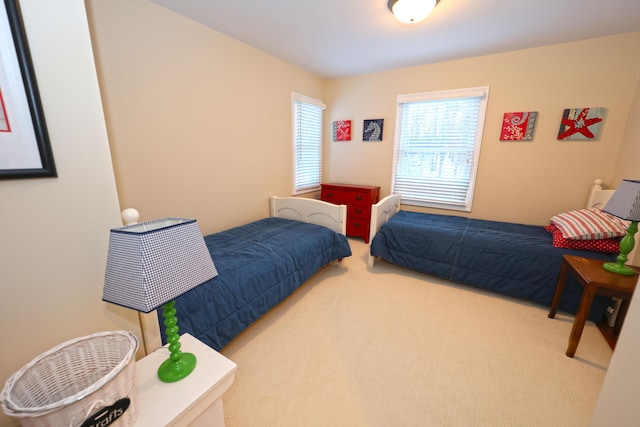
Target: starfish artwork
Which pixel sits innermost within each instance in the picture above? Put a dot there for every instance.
(581, 123)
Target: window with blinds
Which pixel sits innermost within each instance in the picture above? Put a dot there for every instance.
(307, 143)
(437, 147)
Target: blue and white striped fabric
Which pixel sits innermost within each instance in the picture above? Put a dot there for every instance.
(589, 224)
(625, 202)
(152, 263)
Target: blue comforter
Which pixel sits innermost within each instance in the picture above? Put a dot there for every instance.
(259, 264)
(513, 259)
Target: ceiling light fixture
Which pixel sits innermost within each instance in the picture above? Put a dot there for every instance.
(411, 11)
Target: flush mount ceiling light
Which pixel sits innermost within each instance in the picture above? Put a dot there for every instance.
(411, 11)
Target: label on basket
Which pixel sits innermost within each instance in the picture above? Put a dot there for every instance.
(108, 415)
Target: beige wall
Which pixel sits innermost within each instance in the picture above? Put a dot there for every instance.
(617, 405)
(517, 181)
(199, 124)
(618, 400)
(54, 231)
(627, 164)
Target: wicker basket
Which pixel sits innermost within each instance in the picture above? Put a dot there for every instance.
(74, 380)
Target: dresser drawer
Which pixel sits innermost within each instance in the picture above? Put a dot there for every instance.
(358, 227)
(343, 197)
(359, 211)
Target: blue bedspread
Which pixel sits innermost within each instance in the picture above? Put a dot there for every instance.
(513, 259)
(259, 265)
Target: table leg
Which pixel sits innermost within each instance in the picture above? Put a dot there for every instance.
(581, 317)
(622, 312)
(555, 302)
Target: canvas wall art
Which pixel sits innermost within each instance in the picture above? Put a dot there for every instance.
(342, 130)
(25, 148)
(372, 130)
(581, 123)
(518, 126)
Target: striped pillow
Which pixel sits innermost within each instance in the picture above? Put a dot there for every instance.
(589, 224)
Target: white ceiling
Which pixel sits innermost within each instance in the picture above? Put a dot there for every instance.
(338, 38)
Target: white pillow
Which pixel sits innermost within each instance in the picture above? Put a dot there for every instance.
(589, 224)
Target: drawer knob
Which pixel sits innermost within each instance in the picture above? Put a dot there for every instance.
(329, 194)
(358, 198)
(358, 211)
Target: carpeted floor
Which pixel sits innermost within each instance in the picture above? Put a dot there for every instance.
(390, 347)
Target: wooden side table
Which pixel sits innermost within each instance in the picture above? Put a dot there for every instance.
(596, 281)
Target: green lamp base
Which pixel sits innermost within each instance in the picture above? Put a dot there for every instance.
(626, 246)
(179, 365)
(171, 371)
(620, 269)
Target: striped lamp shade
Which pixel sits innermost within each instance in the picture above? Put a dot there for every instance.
(154, 262)
(625, 202)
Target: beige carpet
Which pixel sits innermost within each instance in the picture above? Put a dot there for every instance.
(390, 347)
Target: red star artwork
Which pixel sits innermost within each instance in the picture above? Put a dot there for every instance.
(576, 123)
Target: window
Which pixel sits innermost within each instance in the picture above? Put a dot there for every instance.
(307, 143)
(437, 147)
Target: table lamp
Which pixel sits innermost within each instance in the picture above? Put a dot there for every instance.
(149, 264)
(625, 204)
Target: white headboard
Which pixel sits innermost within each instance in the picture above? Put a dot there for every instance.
(312, 211)
(598, 197)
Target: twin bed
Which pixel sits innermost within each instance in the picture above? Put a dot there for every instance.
(259, 264)
(512, 259)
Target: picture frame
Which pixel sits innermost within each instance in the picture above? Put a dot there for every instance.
(342, 130)
(518, 126)
(25, 149)
(372, 130)
(582, 124)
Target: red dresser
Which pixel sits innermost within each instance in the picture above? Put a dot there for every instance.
(358, 199)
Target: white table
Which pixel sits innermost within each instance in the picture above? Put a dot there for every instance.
(193, 401)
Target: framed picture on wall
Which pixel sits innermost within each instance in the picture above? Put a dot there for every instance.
(372, 130)
(518, 126)
(342, 130)
(581, 124)
(25, 150)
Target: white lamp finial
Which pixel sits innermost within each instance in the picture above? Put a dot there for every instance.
(130, 216)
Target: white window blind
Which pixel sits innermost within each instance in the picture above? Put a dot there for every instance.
(437, 147)
(307, 143)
